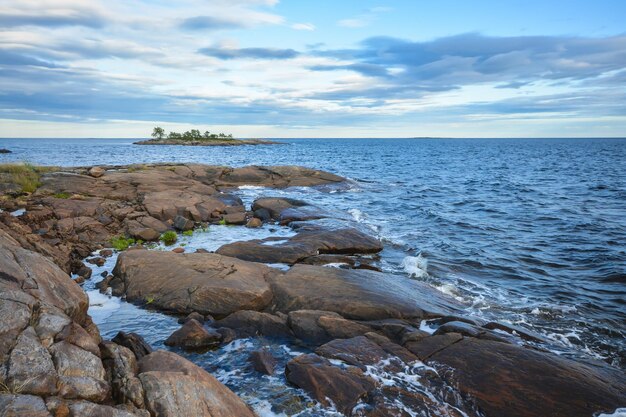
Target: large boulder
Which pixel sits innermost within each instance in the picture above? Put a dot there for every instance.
(357, 294)
(203, 282)
(252, 323)
(286, 210)
(37, 276)
(506, 380)
(304, 245)
(175, 387)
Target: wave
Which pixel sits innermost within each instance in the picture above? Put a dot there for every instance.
(415, 266)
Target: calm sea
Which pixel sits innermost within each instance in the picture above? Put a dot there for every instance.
(529, 231)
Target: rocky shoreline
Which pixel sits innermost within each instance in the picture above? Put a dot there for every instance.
(207, 142)
(53, 361)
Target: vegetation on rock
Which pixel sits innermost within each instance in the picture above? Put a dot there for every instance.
(190, 135)
(25, 175)
(169, 238)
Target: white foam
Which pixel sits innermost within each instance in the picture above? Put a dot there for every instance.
(18, 212)
(415, 266)
(282, 267)
(274, 242)
(264, 409)
(251, 187)
(426, 327)
(620, 412)
(338, 265)
(102, 306)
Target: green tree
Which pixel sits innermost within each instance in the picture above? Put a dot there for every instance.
(158, 133)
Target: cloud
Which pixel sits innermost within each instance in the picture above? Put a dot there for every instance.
(363, 19)
(53, 13)
(473, 59)
(303, 26)
(210, 23)
(248, 53)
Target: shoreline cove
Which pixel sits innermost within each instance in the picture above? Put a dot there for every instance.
(344, 318)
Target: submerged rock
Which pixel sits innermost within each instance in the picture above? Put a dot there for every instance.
(203, 282)
(4, 151)
(263, 361)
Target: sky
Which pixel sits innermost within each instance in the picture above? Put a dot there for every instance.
(294, 68)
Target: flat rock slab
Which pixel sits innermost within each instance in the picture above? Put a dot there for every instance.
(304, 245)
(357, 294)
(204, 282)
(511, 381)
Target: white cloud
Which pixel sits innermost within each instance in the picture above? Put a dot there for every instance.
(303, 26)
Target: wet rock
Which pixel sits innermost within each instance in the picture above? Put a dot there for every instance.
(206, 283)
(392, 348)
(517, 331)
(81, 374)
(507, 380)
(428, 346)
(234, 218)
(178, 250)
(468, 330)
(84, 272)
(134, 342)
(96, 172)
(107, 253)
(31, 370)
(175, 387)
(263, 214)
(98, 261)
(358, 351)
(263, 361)
(228, 334)
(121, 367)
(326, 383)
(303, 245)
(5, 151)
(181, 223)
(357, 294)
(254, 223)
(305, 326)
(275, 206)
(192, 316)
(253, 323)
(340, 328)
(22, 405)
(193, 336)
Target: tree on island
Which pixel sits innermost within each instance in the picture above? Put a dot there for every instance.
(190, 135)
(158, 133)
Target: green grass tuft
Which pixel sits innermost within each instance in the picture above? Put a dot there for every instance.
(188, 233)
(26, 175)
(122, 243)
(222, 222)
(169, 238)
(62, 195)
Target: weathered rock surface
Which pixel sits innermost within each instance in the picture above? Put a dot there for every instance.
(22, 405)
(192, 336)
(121, 368)
(303, 245)
(326, 383)
(511, 381)
(357, 294)
(175, 387)
(203, 282)
(253, 323)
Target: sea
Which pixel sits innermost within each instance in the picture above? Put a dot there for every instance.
(529, 232)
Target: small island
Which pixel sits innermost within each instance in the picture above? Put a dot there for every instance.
(5, 151)
(193, 137)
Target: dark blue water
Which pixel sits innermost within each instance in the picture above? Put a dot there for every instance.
(530, 231)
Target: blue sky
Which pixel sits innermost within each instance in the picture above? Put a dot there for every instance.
(267, 68)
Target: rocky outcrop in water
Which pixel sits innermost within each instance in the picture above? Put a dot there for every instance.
(78, 210)
(4, 151)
